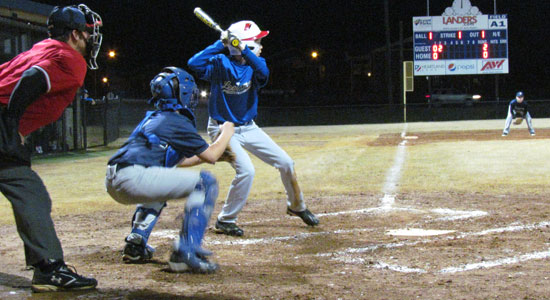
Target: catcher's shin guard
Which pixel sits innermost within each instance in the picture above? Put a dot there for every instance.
(198, 210)
(145, 218)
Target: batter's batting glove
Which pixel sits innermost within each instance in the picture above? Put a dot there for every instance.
(224, 37)
(234, 41)
(229, 39)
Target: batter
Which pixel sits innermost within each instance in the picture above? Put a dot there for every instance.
(235, 80)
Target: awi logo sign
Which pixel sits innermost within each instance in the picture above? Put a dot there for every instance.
(492, 65)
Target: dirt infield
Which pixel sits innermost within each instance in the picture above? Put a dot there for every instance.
(499, 247)
(417, 138)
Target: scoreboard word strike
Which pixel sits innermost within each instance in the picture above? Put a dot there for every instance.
(459, 45)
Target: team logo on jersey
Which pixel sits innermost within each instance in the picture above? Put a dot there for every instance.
(236, 89)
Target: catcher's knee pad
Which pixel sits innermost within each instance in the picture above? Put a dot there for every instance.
(144, 219)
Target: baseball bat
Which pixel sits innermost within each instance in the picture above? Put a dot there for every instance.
(206, 19)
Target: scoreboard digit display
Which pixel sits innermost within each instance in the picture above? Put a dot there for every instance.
(460, 45)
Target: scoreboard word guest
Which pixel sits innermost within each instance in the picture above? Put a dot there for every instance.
(460, 45)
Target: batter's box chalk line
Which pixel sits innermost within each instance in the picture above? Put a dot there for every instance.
(346, 256)
(173, 234)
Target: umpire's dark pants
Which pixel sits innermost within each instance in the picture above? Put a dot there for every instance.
(32, 206)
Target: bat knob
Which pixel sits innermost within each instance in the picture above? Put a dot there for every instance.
(235, 43)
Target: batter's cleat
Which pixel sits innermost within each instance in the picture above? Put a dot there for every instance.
(532, 134)
(228, 228)
(306, 216)
(63, 278)
(504, 134)
(135, 254)
(181, 261)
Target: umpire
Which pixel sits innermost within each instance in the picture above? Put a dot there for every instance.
(35, 88)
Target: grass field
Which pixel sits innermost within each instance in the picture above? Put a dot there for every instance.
(488, 192)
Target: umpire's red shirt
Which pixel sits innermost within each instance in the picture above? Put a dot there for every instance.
(64, 69)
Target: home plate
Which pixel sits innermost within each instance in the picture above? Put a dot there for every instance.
(417, 232)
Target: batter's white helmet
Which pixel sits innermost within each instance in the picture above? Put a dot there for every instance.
(248, 32)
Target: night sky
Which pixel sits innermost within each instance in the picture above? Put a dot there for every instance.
(151, 34)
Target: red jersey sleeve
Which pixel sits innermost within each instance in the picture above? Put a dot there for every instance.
(65, 70)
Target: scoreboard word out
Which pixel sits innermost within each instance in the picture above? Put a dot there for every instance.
(460, 45)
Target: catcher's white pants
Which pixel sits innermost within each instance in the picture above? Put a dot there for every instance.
(150, 186)
(510, 118)
(256, 141)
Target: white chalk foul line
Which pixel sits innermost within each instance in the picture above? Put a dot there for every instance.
(394, 173)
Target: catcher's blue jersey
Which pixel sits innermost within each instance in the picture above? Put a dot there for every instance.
(233, 86)
(161, 139)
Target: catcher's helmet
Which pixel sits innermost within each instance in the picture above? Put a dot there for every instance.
(248, 32)
(519, 94)
(64, 19)
(174, 89)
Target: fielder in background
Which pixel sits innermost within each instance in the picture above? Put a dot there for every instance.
(235, 81)
(142, 172)
(517, 111)
(35, 87)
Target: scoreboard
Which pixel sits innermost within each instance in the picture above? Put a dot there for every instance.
(460, 45)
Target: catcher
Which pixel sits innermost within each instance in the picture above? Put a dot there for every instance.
(517, 111)
(142, 172)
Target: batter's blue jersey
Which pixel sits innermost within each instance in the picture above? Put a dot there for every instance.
(152, 138)
(233, 86)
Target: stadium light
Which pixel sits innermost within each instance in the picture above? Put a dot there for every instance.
(314, 54)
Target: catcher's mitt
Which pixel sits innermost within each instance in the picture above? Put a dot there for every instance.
(518, 121)
(228, 155)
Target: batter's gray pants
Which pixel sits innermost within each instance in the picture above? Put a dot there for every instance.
(256, 141)
(510, 118)
(32, 207)
(137, 184)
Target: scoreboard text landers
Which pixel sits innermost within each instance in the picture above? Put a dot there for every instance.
(447, 45)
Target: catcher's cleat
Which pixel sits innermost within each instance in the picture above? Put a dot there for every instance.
(62, 278)
(133, 253)
(306, 216)
(189, 261)
(228, 228)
